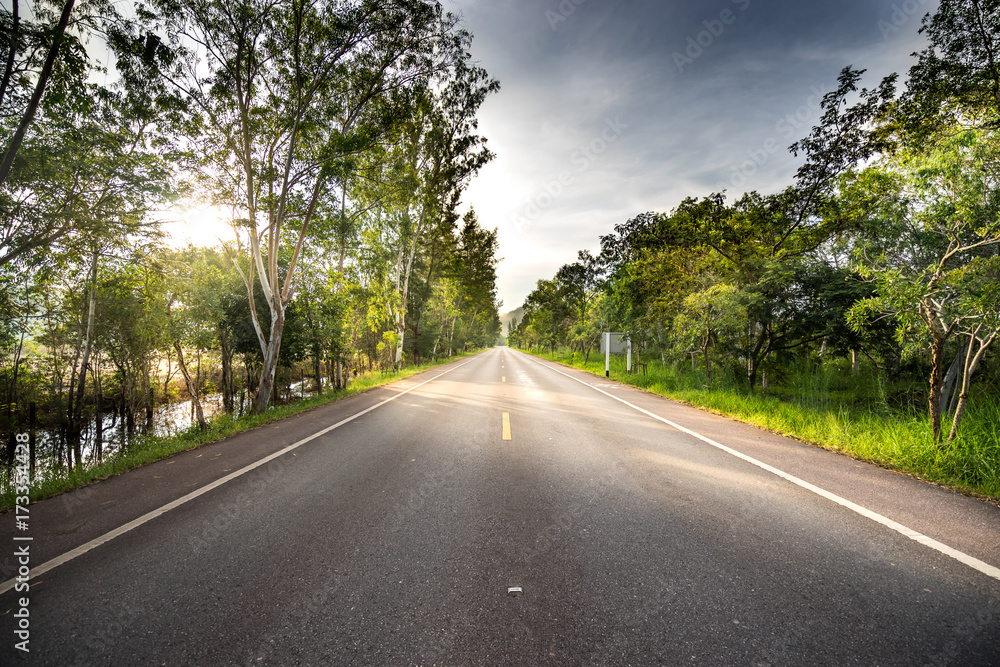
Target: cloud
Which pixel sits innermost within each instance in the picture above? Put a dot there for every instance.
(725, 118)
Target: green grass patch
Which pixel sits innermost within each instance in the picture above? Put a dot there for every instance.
(849, 414)
(148, 449)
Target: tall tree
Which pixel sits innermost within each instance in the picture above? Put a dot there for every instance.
(284, 90)
(436, 154)
(55, 42)
(95, 162)
(935, 265)
(956, 80)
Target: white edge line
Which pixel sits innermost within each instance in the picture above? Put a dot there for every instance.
(149, 516)
(964, 558)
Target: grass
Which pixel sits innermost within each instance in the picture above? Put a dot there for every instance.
(830, 408)
(149, 449)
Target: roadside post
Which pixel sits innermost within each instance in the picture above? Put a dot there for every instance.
(606, 344)
(613, 342)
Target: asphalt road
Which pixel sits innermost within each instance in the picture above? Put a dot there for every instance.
(393, 539)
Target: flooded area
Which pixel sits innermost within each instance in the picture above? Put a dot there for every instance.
(99, 442)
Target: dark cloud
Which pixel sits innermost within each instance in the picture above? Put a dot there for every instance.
(609, 109)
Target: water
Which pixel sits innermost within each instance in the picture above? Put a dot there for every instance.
(169, 419)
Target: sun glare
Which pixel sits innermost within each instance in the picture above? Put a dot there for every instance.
(200, 226)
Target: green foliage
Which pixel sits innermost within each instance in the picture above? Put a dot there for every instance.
(933, 261)
(956, 79)
(884, 247)
(339, 136)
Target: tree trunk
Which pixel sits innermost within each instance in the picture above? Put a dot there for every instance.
(228, 384)
(270, 367)
(936, 385)
(77, 452)
(971, 363)
(98, 416)
(149, 400)
(128, 417)
(77, 414)
(67, 416)
(708, 361)
(13, 39)
(192, 387)
(401, 330)
(951, 376)
(759, 354)
(404, 294)
(318, 372)
(416, 337)
(36, 97)
(166, 382)
(451, 336)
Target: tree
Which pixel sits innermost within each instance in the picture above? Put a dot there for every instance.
(581, 279)
(195, 286)
(131, 307)
(284, 91)
(707, 314)
(476, 269)
(956, 80)
(322, 309)
(93, 168)
(435, 154)
(936, 267)
(548, 314)
(13, 46)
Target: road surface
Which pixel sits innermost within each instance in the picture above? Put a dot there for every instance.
(503, 510)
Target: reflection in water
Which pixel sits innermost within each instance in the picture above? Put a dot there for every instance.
(97, 444)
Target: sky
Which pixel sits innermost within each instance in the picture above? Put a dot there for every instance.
(610, 109)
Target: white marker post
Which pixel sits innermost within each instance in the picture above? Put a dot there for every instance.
(613, 342)
(607, 354)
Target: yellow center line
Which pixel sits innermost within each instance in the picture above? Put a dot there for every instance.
(506, 426)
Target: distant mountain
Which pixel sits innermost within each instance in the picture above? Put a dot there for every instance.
(505, 319)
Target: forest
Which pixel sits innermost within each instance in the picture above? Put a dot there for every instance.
(862, 301)
(337, 138)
